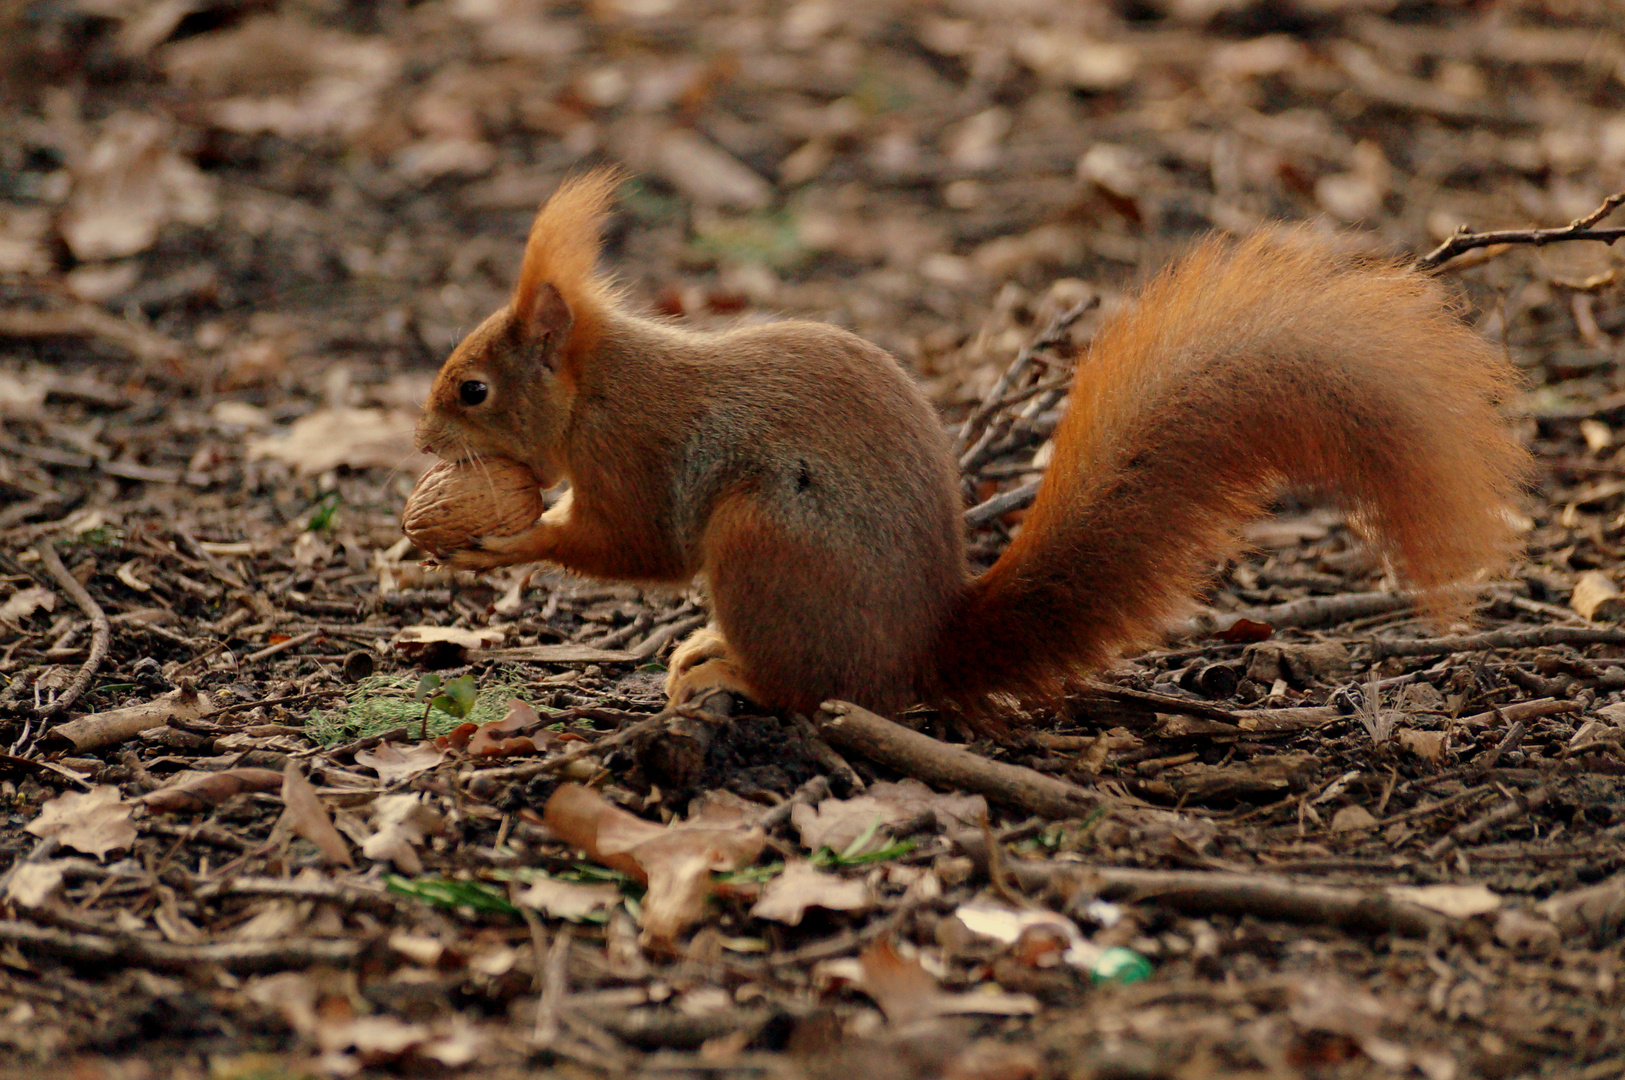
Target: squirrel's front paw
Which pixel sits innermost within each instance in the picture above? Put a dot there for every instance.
(474, 558)
(491, 552)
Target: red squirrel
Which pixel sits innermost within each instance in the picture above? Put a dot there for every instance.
(803, 473)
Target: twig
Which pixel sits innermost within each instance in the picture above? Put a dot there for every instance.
(555, 985)
(924, 758)
(346, 893)
(101, 632)
(811, 793)
(87, 320)
(658, 637)
(1498, 639)
(994, 400)
(580, 750)
(1521, 710)
(235, 956)
(1002, 503)
(1306, 612)
(1519, 806)
(1578, 229)
(282, 646)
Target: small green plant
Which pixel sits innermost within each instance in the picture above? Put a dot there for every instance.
(102, 536)
(855, 855)
(455, 698)
(323, 513)
(384, 701)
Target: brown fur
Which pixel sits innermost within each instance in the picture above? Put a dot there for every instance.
(804, 474)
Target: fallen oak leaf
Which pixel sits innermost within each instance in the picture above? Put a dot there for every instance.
(34, 884)
(571, 900)
(675, 861)
(204, 790)
(801, 886)
(393, 764)
(487, 740)
(306, 815)
(838, 823)
(907, 993)
(94, 822)
(402, 823)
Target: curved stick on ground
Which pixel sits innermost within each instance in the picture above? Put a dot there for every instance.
(1579, 229)
(920, 756)
(101, 632)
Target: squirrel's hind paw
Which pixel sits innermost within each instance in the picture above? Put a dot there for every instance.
(702, 664)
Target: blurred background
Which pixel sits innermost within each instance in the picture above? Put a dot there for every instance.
(236, 238)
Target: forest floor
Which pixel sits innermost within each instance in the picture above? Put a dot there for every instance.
(1314, 835)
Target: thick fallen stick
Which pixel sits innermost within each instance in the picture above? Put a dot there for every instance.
(1530, 638)
(856, 729)
(235, 956)
(1268, 896)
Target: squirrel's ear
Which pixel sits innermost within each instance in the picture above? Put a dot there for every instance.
(544, 321)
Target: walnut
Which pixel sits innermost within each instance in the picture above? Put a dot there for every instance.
(456, 502)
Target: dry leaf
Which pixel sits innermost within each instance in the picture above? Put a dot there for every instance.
(1074, 60)
(413, 640)
(1351, 818)
(1596, 597)
(490, 739)
(676, 861)
(24, 602)
(128, 185)
(202, 790)
(356, 438)
(1456, 901)
(402, 822)
(277, 918)
(324, 81)
(801, 886)
(569, 899)
(309, 818)
(837, 823)
(992, 919)
(907, 993)
(1424, 744)
(394, 765)
(94, 822)
(34, 884)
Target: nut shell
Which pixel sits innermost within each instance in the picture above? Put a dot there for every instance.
(456, 502)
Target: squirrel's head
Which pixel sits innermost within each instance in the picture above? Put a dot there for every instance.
(508, 389)
(504, 391)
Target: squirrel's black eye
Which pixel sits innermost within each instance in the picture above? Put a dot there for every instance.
(472, 392)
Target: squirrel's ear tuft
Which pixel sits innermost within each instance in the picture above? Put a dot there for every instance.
(560, 271)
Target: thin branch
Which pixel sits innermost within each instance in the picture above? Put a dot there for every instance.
(994, 399)
(1001, 504)
(242, 957)
(101, 632)
(1579, 229)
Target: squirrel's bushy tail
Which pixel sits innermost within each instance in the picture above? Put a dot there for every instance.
(1243, 368)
